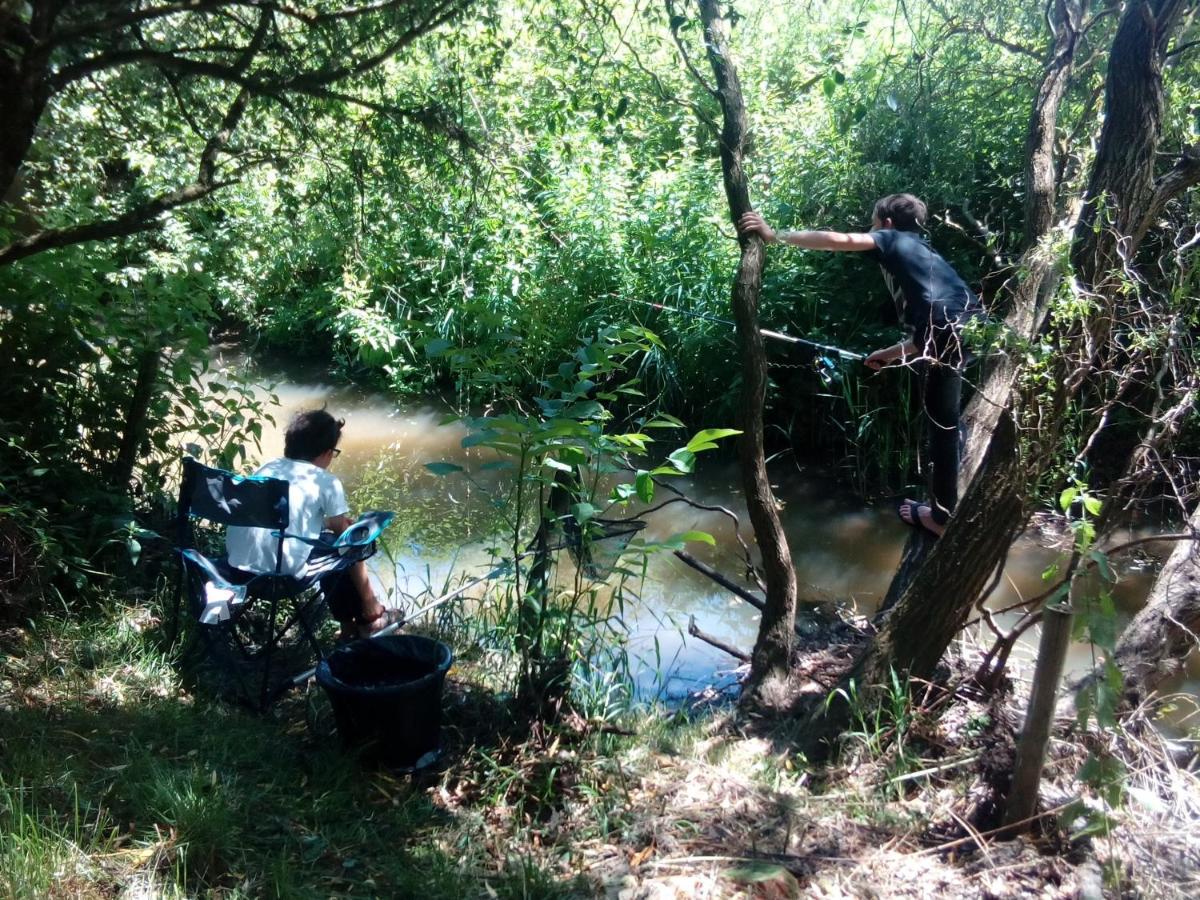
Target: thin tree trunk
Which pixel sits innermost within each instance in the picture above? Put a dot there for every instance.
(1040, 181)
(772, 650)
(133, 435)
(1031, 747)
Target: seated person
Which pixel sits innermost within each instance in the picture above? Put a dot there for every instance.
(317, 502)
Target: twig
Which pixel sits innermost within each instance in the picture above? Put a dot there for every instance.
(941, 848)
(694, 631)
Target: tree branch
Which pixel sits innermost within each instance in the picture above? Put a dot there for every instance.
(1183, 175)
(143, 218)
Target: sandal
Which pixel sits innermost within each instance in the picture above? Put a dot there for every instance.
(910, 514)
(371, 627)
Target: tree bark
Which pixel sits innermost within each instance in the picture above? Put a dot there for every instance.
(1040, 180)
(1154, 645)
(933, 607)
(1035, 734)
(24, 84)
(1121, 185)
(772, 650)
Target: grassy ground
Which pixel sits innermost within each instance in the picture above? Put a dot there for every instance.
(117, 781)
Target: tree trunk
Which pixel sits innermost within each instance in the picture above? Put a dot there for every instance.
(1154, 645)
(931, 610)
(1035, 734)
(1121, 186)
(136, 418)
(772, 651)
(24, 85)
(1040, 182)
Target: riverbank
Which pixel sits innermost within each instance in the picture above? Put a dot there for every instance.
(118, 781)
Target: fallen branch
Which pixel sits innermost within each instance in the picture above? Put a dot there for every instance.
(694, 631)
(723, 580)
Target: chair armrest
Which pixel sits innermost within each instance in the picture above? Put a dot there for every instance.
(368, 527)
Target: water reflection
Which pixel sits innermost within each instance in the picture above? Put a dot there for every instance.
(842, 549)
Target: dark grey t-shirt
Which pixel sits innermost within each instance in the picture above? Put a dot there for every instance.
(927, 291)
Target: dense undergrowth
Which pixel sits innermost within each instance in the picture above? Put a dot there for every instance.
(120, 779)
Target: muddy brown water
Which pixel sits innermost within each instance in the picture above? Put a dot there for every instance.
(843, 549)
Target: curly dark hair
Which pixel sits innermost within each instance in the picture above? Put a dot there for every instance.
(906, 211)
(310, 433)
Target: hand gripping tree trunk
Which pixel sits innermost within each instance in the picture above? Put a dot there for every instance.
(772, 650)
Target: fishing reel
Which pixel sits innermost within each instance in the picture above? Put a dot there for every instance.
(827, 369)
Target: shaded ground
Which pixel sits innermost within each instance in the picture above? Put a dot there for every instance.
(118, 783)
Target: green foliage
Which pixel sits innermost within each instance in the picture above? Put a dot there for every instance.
(601, 184)
(106, 381)
(557, 465)
(1095, 622)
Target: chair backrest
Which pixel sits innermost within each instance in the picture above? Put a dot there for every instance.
(228, 499)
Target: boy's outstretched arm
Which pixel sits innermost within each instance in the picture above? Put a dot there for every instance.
(754, 223)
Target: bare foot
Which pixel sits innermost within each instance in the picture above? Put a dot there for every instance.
(919, 515)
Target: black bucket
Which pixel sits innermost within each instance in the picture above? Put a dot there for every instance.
(387, 697)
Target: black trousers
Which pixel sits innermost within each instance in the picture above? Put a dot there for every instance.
(945, 357)
(941, 396)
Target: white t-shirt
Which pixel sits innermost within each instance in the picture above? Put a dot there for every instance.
(314, 495)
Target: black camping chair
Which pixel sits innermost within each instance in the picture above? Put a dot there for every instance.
(255, 632)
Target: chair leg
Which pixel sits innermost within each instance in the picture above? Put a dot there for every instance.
(269, 648)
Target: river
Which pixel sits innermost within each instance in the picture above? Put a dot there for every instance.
(842, 548)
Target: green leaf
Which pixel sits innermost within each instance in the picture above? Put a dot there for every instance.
(622, 492)
(553, 463)
(583, 512)
(1101, 560)
(829, 86)
(644, 483)
(662, 420)
(703, 440)
(699, 537)
(1092, 504)
(442, 468)
(1067, 497)
(683, 460)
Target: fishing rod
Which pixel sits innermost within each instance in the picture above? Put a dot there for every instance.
(774, 335)
(434, 604)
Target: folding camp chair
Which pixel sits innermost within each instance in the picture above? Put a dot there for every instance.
(255, 632)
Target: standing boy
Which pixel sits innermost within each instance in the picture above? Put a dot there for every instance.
(316, 503)
(933, 302)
